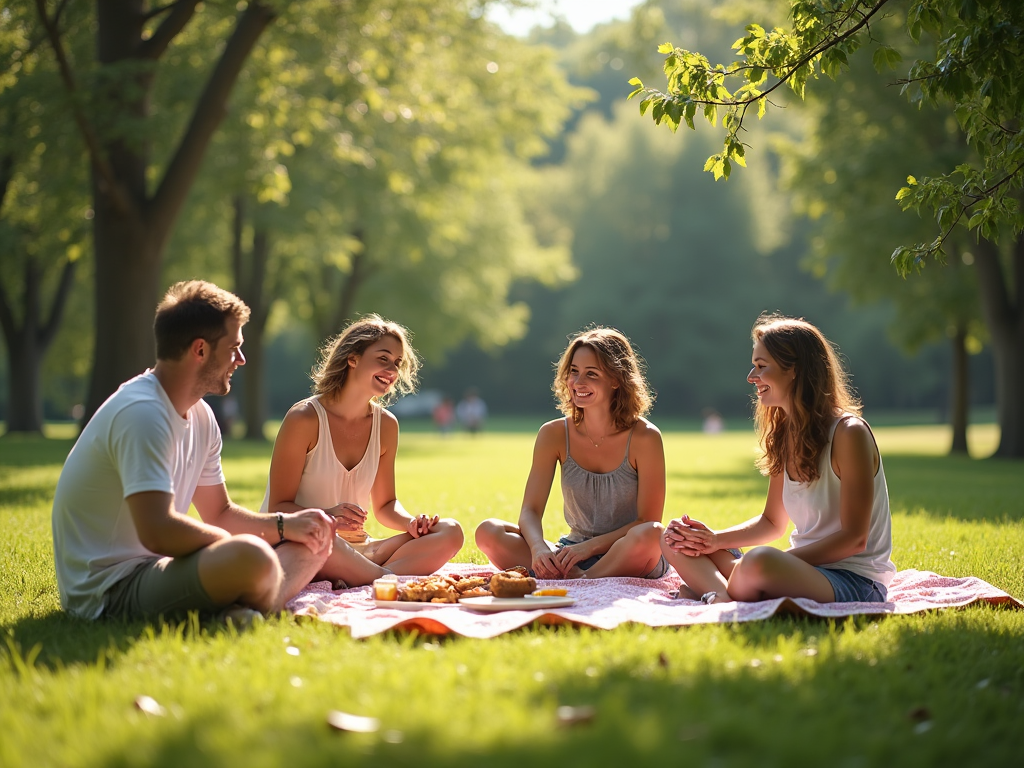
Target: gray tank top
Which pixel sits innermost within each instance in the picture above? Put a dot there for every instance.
(596, 503)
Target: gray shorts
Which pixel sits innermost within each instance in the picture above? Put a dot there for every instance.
(163, 586)
(659, 570)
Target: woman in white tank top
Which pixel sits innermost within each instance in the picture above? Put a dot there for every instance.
(825, 475)
(336, 451)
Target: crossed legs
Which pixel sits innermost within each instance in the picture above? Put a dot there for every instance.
(761, 574)
(635, 554)
(401, 554)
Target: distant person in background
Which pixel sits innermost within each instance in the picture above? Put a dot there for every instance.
(124, 543)
(471, 411)
(825, 474)
(613, 472)
(338, 447)
(444, 415)
(713, 422)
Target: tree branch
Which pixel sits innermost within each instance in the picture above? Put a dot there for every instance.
(207, 115)
(181, 13)
(802, 61)
(96, 155)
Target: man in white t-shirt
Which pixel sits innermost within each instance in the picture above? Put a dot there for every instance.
(124, 543)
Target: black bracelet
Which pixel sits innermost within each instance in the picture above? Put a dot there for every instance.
(280, 527)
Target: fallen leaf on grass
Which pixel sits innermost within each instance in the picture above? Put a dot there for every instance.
(343, 721)
(919, 714)
(568, 716)
(150, 706)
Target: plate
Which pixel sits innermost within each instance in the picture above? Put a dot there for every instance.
(402, 605)
(528, 603)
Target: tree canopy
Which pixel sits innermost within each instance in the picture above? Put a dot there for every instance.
(976, 65)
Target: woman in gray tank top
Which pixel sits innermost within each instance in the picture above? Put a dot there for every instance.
(613, 472)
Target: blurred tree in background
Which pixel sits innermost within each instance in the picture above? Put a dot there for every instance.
(862, 143)
(43, 209)
(974, 66)
(409, 158)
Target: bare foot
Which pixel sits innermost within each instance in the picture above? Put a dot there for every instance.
(576, 573)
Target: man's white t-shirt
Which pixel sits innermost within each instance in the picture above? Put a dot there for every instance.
(135, 442)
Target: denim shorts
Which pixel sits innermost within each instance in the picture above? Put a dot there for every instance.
(851, 587)
(659, 570)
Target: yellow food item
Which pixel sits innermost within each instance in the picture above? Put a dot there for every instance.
(551, 592)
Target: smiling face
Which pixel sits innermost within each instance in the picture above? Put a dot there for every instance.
(377, 368)
(773, 384)
(225, 356)
(589, 383)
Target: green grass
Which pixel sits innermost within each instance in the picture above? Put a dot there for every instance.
(935, 689)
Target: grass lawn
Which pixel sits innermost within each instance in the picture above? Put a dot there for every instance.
(940, 689)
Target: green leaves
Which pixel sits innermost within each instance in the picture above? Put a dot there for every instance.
(886, 57)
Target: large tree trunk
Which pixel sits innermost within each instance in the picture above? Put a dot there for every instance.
(27, 344)
(130, 226)
(1001, 301)
(960, 392)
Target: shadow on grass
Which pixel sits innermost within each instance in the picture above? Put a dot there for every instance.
(58, 639)
(950, 695)
(956, 487)
(32, 450)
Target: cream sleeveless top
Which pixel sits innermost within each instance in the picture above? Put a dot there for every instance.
(814, 509)
(326, 482)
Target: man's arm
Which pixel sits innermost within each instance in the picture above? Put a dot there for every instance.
(309, 526)
(165, 532)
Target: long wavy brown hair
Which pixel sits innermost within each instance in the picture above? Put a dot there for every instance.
(821, 392)
(632, 399)
(331, 372)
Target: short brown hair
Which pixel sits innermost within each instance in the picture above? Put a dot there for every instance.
(632, 398)
(331, 371)
(821, 392)
(190, 310)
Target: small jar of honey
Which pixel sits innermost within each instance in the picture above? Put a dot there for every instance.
(385, 588)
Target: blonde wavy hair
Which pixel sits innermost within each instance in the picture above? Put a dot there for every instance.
(821, 391)
(632, 399)
(331, 372)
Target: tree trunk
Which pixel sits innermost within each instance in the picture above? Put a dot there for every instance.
(960, 392)
(27, 345)
(250, 286)
(1001, 302)
(127, 283)
(130, 226)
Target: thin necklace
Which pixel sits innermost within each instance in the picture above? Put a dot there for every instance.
(585, 432)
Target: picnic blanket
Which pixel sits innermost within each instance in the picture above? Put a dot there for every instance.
(607, 603)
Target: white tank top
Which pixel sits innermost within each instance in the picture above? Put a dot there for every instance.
(326, 482)
(814, 509)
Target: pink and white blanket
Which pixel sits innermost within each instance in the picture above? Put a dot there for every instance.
(606, 603)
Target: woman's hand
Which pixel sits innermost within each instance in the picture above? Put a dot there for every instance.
(312, 527)
(545, 564)
(347, 516)
(691, 537)
(421, 525)
(569, 556)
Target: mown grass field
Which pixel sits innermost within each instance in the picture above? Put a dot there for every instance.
(938, 689)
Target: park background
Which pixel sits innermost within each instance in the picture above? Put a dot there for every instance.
(495, 194)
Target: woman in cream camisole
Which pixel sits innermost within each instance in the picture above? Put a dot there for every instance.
(336, 451)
